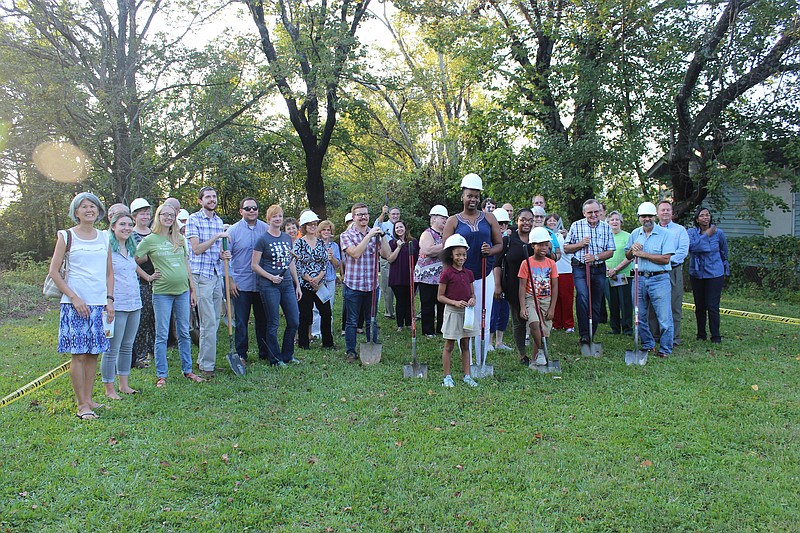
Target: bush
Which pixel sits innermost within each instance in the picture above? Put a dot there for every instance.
(771, 262)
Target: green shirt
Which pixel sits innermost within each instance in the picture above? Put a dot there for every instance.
(620, 239)
(170, 262)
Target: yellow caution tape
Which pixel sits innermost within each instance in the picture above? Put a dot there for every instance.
(756, 316)
(35, 384)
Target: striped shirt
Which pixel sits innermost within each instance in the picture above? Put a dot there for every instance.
(199, 225)
(359, 274)
(601, 238)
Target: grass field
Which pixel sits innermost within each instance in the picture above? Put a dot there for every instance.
(706, 440)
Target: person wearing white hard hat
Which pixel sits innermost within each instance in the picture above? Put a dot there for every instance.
(311, 257)
(428, 270)
(183, 218)
(457, 292)
(653, 246)
(141, 210)
(325, 231)
(204, 231)
(538, 279)
(592, 242)
(681, 238)
(500, 308)
(245, 297)
(482, 233)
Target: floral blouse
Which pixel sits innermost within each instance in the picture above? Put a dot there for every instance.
(310, 261)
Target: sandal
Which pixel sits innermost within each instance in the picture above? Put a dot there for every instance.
(88, 415)
(161, 383)
(194, 377)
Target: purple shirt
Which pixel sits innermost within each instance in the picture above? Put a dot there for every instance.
(458, 284)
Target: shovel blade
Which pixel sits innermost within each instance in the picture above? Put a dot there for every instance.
(370, 353)
(415, 370)
(552, 367)
(593, 349)
(635, 357)
(236, 364)
(481, 371)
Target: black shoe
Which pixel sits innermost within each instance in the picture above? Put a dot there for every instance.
(524, 360)
(716, 340)
(584, 340)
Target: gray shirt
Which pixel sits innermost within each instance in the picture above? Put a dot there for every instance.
(243, 238)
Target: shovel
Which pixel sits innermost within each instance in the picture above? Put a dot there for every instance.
(370, 352)
(237, 365)
(636, 356)
(552, 367)
(592, 349)
(481, 369)
(415, 369)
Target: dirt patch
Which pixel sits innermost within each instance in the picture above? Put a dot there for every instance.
(20, 300)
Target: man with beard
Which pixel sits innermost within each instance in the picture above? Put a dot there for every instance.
(653, 246)
(204, 229)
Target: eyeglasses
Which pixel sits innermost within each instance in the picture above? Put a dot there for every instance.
(250, 208)
(522, 220)
(361, 215)
(166, 215)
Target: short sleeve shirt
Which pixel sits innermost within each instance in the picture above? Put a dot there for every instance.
(543, 273)
(167, 259)
(276, 255)
(601, 238)
(458, 283)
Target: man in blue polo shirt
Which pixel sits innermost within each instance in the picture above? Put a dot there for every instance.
(653, 246)
(244, 287)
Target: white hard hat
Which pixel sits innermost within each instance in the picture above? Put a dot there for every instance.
(183, 215)
(307, 216)
(472, 181)
(139, 203)
(440, 210)
(501, 215)
(646, 208)
(348, 218)
(538, 235)
(455, 240)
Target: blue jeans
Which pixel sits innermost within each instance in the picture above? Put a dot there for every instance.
(357, 302)
(274, 298)
(241, 309)
(655, 291)
(117, 360)
(597, 276)
(164, 305)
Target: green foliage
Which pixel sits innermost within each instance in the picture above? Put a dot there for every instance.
(770, 262)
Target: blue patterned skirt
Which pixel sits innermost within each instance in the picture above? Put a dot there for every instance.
(78, 335)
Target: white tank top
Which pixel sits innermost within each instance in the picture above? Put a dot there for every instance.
(88, 261)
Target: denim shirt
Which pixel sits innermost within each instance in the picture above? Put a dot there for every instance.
(709, 255)
(659, 242)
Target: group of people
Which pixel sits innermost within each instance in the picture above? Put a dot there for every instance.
(146, 273)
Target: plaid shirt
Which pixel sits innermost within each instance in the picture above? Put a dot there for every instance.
(359, 274)
(601, 238)
(199, 225)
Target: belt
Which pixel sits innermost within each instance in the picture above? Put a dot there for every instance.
(650, 274)
(576, 263)
(675, 265)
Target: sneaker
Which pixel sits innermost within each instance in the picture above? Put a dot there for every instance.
(430, 336)
(504, 347)
(490, 348)
(540, 359)
(469, 381)
(570, 330)
(351, 357)
(281, 364)
(295, 361)
(448, 381)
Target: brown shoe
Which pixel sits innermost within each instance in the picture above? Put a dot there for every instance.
(194, 377)
(351, 358)
(208, 373)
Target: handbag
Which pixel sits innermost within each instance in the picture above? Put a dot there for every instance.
(50, 288)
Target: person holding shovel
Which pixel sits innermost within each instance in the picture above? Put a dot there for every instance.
(483, 235)
(538, 277)
(360, 245)
(653, 245)
(88, 291)
(456, 291)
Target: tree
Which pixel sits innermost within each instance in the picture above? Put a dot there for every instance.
(745, 45)
(316, 48)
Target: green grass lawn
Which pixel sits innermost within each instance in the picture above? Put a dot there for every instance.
(706, 440)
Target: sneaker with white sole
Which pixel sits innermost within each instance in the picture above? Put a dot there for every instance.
(448, 381)
(540, 359)
(469, 381)
(505, 347)
(490, 348)
(570, 330)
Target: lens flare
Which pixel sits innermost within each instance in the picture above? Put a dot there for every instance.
(61, 161)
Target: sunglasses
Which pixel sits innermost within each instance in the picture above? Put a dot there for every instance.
(250, 208)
